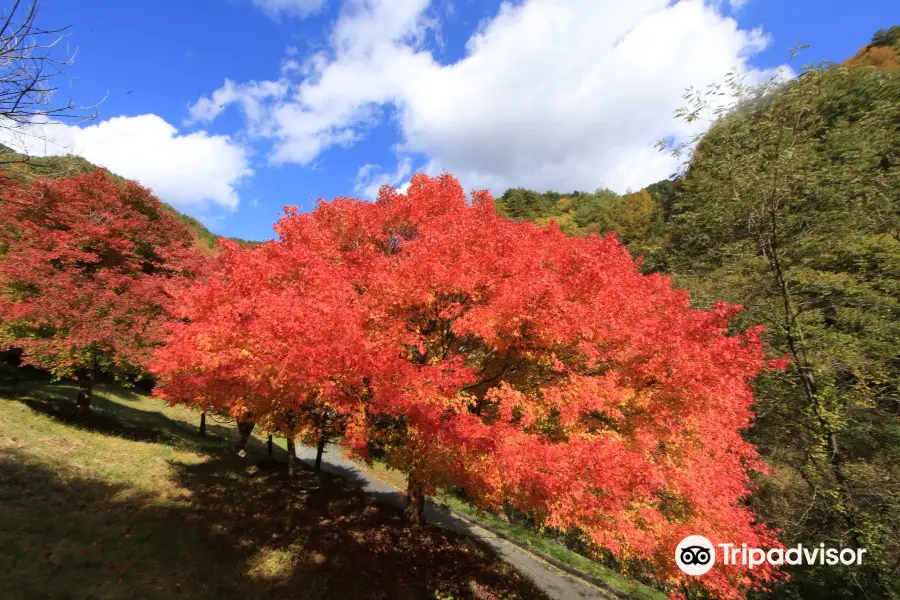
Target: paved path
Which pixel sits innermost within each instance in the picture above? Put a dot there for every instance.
(553, 582)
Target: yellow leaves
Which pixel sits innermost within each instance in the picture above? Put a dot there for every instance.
(460, 401)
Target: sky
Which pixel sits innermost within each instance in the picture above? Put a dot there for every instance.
(231, 109)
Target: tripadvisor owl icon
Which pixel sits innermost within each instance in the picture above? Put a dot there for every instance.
(695, 555)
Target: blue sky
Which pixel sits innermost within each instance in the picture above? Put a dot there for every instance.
(329, 98)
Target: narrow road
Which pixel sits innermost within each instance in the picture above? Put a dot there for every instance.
(553, 582)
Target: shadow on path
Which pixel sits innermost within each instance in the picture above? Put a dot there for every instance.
(551, 581)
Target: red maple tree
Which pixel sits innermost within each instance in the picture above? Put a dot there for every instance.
(87, 271)
(525, 366)
(273, 337)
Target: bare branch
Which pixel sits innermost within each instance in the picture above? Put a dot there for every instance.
(31, 67)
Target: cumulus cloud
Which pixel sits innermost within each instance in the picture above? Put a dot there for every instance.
(551, 94)
(291, 8)
(192, 170)
(370, 177)
(251, 96)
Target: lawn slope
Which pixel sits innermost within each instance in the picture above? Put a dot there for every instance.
(134, 504)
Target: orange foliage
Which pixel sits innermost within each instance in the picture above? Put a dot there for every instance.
(514, 361)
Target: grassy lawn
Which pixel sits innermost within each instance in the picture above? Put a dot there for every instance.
(531, 539)
(134, 504)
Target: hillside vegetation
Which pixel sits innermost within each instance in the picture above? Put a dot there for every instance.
(882, 52)
(790, 207)
(27, 168)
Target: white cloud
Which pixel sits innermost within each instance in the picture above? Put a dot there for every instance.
(365, 25)
(738, 4)
(291, 8)
(290, 66)
(370, 178)
(192, 170)
(551, 94)
(252, 97)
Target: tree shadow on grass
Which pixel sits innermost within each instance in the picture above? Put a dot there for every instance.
(129, 395)
(16, 380)
(112, 418)
(56, 399)
(64, 536)
(240, 529)
(318, 536)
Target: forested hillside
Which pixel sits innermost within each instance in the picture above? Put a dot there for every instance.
(790, 207)
(26, 169)
(637, 218)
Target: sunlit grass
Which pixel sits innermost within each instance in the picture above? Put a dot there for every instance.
(134, 503)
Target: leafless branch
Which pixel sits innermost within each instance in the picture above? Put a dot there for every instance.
(32, 69)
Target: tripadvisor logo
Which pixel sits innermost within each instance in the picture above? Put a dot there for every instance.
(695, 555)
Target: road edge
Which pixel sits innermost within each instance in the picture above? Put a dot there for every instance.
(599, 583)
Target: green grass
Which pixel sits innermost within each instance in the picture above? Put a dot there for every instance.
(530, 538)
(132, 503)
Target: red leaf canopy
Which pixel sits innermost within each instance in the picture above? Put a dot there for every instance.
(87, 267)
(516, 362)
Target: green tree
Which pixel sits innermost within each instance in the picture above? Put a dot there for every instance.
(790, 207)
(664, 192)
(525, 205)
(635, 216)
(591, 208)
(887, 37)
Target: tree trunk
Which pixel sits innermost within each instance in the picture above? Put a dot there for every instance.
(245, 428)
(415, 502)
(202, 431)
(85, 393)
(794, 336)
(270, 444)
(292, 457)
(320, 448)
